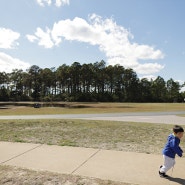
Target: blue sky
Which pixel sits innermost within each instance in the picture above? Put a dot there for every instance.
(146, 35)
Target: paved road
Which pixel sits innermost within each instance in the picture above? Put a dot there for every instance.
(148, 117)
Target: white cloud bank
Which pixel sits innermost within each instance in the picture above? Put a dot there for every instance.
(114, 40)
(8, 38)
(57, 3)
(9, 63)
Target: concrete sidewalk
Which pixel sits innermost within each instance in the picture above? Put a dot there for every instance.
(135, 168)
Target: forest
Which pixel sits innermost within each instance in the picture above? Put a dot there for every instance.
(92, 82)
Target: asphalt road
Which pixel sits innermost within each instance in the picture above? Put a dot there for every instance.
(147, 117)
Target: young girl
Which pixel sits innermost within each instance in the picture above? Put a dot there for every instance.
(171, 149)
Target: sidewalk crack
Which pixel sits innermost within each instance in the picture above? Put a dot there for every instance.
(85, 161)
(21, 154)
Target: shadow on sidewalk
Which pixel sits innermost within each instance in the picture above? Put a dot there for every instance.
(177, 180)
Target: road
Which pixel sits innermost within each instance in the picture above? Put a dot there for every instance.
(147, 117)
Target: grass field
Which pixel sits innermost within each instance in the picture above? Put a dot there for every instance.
(85, 108)
(17, 176)
(135, 137)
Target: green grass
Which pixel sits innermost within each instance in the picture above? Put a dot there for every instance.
(85, 108)
(135, 137)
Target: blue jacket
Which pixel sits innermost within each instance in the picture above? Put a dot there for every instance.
(172, 147)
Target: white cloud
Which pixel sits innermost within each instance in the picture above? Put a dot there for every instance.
(180, 81)
(113, 40)
(148, 77)
(182, 90)
(148, 68)
(9, 63)
(31, 38)
(8, 38)
(42, 2)
(57, 3)
(43, 38)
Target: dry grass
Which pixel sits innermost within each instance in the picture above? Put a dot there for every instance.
(85, 108)
(135, 137)
(181, 115)
(17, 176)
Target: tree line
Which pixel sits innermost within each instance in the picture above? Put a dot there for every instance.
(86, 83)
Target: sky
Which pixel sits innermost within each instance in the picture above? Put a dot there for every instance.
(145, 35)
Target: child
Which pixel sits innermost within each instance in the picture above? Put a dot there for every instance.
(171, 149)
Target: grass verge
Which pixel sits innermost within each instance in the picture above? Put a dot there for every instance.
(111, 135)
